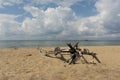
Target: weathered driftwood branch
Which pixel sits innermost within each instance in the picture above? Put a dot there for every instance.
(75, 53)
(87, 52)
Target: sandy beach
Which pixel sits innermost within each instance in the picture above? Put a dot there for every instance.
(30, 64)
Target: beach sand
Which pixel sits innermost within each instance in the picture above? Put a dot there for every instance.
(30, 64)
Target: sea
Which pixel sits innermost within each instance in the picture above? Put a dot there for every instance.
(55, 43)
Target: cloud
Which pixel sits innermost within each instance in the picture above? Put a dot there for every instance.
(4, 3)
(118, 14)
(109, 10)
(63, 3)
(61, 22)
(8, 25)
(51, 22)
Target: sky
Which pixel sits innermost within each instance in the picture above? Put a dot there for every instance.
(59, 19)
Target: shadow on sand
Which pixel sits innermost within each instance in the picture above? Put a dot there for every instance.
(61, 57)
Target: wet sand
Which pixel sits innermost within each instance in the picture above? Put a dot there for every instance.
(30, 64)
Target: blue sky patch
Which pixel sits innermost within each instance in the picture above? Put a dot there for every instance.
(84, 8)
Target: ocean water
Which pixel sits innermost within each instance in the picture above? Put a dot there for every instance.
(55, 43)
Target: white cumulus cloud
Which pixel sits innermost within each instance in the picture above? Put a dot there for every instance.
(62, 22)
(8, 25)
(4, 3)
(53, 21)
(109, 10)
(63, 3)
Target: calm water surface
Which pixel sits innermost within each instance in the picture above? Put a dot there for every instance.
(52, 43)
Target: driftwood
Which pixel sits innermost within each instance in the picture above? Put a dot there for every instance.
(75, 52)
(87, 52)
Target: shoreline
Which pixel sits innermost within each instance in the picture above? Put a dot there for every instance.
(47, 43)
(63, 46)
